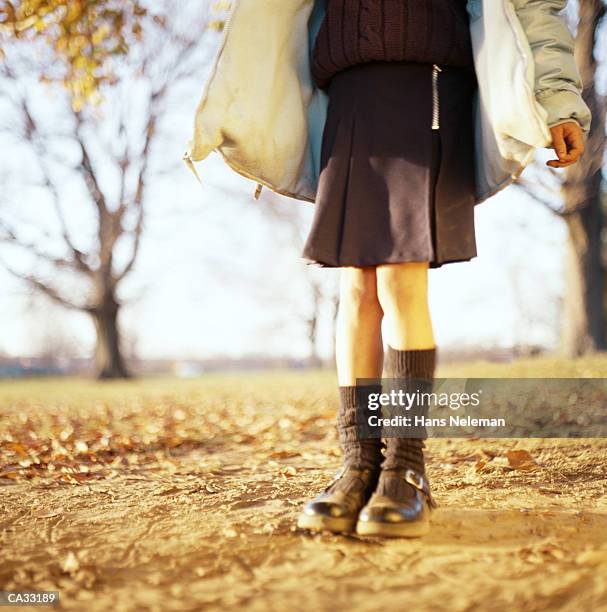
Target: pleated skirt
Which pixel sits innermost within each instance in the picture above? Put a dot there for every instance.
(391, 188)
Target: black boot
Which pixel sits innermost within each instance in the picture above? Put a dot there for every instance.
(402, 501)
(336, 508)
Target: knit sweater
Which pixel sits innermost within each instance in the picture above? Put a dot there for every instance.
(357, 31)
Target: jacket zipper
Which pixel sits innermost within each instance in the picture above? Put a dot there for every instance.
(509, 11)
(435, 101)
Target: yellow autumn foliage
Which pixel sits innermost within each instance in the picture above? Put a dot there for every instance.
(82, 34)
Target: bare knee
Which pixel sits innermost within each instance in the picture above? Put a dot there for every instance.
(402, 285)
(358, 290)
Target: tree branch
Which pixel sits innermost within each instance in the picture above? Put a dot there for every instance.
(526, 186)
(150, 131)
(86, 169)
(12, 238)
(49, 291)
(33, 135)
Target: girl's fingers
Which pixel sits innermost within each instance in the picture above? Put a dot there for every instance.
(568, 144)
(560, 148)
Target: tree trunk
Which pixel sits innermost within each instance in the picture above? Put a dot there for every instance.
(314, 360)
(594, 272)
(334, 314)
(109, 362)
(583, 323)
(575, 339)
(583, 328)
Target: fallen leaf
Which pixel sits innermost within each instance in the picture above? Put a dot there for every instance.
(591, 557)
(479, 465)
(521, 460)
(169, 491)
(70, 563)
(47, 513)
(284, 454)
(553, 551)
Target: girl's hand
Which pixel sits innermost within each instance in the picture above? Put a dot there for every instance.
(568, 144)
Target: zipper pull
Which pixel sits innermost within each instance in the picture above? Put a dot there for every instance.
(435, 98)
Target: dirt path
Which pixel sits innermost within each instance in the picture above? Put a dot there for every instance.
(209, 523)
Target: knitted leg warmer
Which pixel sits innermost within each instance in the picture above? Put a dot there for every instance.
(416, 364)
(358, 452)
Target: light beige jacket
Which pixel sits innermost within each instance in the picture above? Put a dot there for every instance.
(261, 111)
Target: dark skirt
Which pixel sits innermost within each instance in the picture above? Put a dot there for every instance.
(391, 188)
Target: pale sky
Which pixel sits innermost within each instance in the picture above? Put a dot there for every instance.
(218, 275)
(218, 278)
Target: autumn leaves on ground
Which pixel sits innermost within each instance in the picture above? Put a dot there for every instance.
(183, 495)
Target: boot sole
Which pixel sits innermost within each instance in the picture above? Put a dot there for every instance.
(393, 530)
(325, 523)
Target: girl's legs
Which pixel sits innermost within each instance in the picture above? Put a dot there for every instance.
(402, 291)
(359, 354)
(394, 509)
(359, 350)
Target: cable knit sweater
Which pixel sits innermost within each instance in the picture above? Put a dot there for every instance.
(357, 31)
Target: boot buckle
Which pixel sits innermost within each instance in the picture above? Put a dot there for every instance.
(420, 483)
(415, 479)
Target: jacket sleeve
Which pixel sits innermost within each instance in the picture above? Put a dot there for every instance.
(558, 84)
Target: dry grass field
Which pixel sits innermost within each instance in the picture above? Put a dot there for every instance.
(165, 494)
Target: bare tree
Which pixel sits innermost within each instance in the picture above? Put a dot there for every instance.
(106, 151)
(320, 292)
(312, 324)
(583, 211)
(304, 302)
(334, 304)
